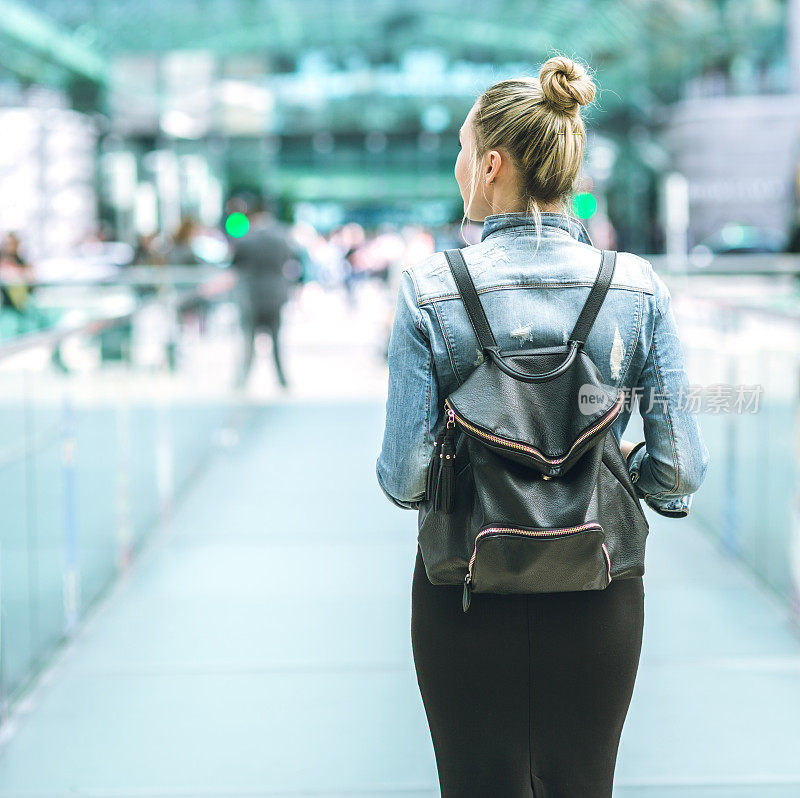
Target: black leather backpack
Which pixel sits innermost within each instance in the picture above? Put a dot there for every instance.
(527, 492)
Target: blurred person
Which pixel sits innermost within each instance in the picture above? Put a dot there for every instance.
(16, 297)
(793, 246)
(387, 249)
(350, 262)
(148, 251)
(15, 267)
(180, 252)
(10, 251)
(307, 240)
(263, 260)
(18, 311)
(793, 239)
(327, 255)
(352, 241)
(527, 693)
(602, 232)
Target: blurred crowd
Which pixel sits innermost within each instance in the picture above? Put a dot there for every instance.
(273, 261)
(341, 256)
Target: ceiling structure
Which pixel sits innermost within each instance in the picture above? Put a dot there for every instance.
(350, 100)
(631, 43)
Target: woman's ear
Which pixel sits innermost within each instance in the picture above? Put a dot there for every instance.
(493, 164)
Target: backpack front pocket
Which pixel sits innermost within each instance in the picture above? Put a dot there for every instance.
(509, 559)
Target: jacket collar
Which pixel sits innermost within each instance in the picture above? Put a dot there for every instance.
(520, 221)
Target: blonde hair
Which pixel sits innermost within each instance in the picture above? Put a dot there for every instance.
(537, 122)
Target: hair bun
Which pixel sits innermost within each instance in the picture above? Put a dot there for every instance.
(566, 84)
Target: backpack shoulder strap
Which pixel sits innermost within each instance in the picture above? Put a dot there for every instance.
(596, 296)
(469, 296)
(477, 316)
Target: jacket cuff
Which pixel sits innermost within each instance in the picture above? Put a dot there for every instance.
(670, 508)
(397, 502)
(634, 458)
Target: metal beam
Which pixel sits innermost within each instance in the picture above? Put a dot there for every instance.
(39, 34)
(793, 47)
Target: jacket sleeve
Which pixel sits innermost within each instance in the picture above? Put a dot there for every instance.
(410, 404)
(671, 463)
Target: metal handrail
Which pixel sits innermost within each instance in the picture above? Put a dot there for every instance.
(219, 285)
(785, 263)
(735, 305)
(139, 276)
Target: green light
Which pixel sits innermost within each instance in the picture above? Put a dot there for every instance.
(237, 225)
(584, 205)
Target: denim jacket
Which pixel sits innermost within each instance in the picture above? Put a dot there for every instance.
(532, 296)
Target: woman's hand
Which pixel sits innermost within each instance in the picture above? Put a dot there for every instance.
(626, 447)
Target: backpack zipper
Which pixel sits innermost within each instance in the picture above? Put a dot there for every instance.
(608, 559)
(606, 419)
(507, 530)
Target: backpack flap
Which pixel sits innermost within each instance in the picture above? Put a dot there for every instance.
(540, 407)
(544, 425)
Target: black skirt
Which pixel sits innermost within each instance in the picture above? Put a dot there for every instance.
(526, 695)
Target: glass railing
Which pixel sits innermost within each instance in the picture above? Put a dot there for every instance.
(105, 418)
(741, 337)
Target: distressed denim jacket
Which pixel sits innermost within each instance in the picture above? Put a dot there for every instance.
(532, 296)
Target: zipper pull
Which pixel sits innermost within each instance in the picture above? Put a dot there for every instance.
(467, 597)
(445, 485)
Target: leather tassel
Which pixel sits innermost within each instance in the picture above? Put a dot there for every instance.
(433, 467)
(445, 486)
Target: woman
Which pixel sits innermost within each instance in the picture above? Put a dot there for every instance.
(14, 268)
(17, 309)
(526, 695)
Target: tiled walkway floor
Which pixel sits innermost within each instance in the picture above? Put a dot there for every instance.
(261, 647)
